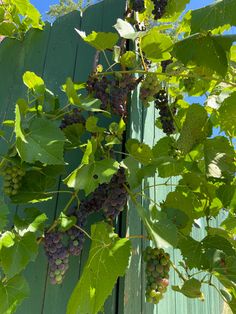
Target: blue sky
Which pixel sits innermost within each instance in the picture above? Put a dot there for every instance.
(43, 5)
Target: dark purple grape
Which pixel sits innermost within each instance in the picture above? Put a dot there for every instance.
(165, 63)
(138, 5)
(116, 195)
(71, 118)
(159, 8)
(113, 91)
(166, 113)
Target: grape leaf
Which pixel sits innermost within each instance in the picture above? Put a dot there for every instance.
(43, 142)
(12, 293)
(192, 252)
(178, 200)
(34, 187)
(195, 128)
(4, 211)
(15, 258)
(88, 177)
(128, 59)
(126, 30)
(191, 289)
(227, 115)
(173, 9)
(219, 156)
(7, 239)
(140, 151)
(108, 260)
(156, 45)
(71, 92)
(210, 52)
(212, 16)
(168, 166)
(101, 40)
(91, 125)
(34, 82)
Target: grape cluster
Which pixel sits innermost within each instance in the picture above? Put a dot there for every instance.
(157, 273)
(72, 118)
(109, 197)
(116, 195)
(12, 179)
(58, 256)
(159, 8)
(59, 245)
(138, 5)
(149, 88)
(113, 92)
(166, 113)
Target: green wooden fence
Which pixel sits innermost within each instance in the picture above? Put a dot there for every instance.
(56, 53)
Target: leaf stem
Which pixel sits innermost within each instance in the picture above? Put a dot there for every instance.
(86, 233)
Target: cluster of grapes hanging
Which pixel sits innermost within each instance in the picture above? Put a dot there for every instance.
(157, 273)
(110, 198)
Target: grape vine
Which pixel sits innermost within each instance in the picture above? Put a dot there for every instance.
(106, 170)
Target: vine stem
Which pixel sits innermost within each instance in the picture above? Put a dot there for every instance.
(73, 197)
(177, 271)
(136, 237)
(141, 55)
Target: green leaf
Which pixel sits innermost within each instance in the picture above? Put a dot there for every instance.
(191, 251)
(32, 221)
(101, 40)
(34, 187)
(88, 177)
(213, 16)
(219, 156)
(227, 115)
(18, 129)
(156, 46)
(173, 9)
(7, 239)
(108, 260)
(178, 200)
(4, 211)
(66, 222)
(12, 293)
(7, 28)
(44, 143)
(128, 59)
(73, 134)
(209, 53)
(164, 147)
(227, 195)
(191, 289)
(91, 125)
(140, 151)
(71, 92)
(162, 231)
(126, 30)
(91, 104)
(168, 167)
(195, 128)
(15, 258)
(34, 82)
